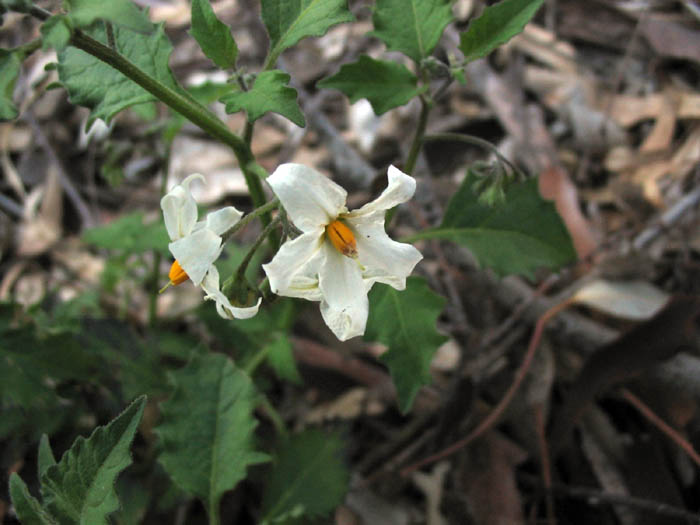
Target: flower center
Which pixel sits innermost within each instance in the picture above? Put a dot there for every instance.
(342, 238)
(177, 275)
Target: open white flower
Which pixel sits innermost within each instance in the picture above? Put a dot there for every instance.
(196, 245)
(340, 254)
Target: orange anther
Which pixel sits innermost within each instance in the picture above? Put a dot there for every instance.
(342, 238)
(177, 275)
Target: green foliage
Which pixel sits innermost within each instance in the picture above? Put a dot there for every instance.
(80, 487)
(213, 36)
(28, 508)
(10, 64)
(96, 85)
(269, 93)
(45, 457)
(287, 21)
(129, 235)
(496, 25)
(308, 479)
(405, 322)
(512, 237)
(121, 12)
(56, 32)
(281, 359)
(207, 428)
(385, 84)
(413, 27)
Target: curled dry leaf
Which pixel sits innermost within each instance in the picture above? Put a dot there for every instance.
(632, 300)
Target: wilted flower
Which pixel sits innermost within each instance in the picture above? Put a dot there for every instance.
(340, 254)
(196, 245)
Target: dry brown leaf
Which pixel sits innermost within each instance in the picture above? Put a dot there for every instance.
(670, 38)
(633, 300)
(349, 405)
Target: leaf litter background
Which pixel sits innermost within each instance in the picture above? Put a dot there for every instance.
(598, 97)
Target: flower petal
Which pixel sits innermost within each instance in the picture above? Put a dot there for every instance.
(310, 199)
(180, 209)
(345, 305)
(293, 271)
(383, 259)
(210, 285)
(196, 253)
(220, 221)
(401, 188)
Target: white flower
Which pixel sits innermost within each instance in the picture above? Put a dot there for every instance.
(196, 245)
(340, 254)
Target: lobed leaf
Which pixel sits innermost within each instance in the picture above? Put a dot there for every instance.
(496, 25)
(308, 478)
(269, 93)
(288, 21)
(405, 322)
(80, 487)
(413, 27)
(96, 85)
(121, 12)
(207, 428)
(386, 85)
(513, 237)
(212, 35)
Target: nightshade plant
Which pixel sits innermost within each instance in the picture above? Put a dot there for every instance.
(110, 58)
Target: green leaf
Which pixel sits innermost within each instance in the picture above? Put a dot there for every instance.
(309, 478)
(207, 428)
(92, 83)
(386, 85)
(10, 64)
(496, 25)
(514, 237)
(213, 36)
(281, 359)
(269, 93)
(80, 487)
(45, 459)
(413, 27)
(288, 21)
(121, 12)
(405, 322)
(56, 32)
(27, 507)
(129, 235)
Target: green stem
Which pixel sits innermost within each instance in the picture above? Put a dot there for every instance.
(471, 139)
(410, 164)
(214, 518)
(255, 361)
(240, 273)
(110, 36)
(274, 416)
(262, 210)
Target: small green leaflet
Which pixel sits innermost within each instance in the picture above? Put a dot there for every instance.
(288, 21)
(80, 487)
(514, 237)
(269, 93)
(405, 322)
(120, 12)
(213, 36)
(45, 456)
(10, 64)
(28, 508)
(413, 27)
(308, 478)
(386, 85)
(56, 32)
(207, 428)
(496, 25)
(92, 83)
